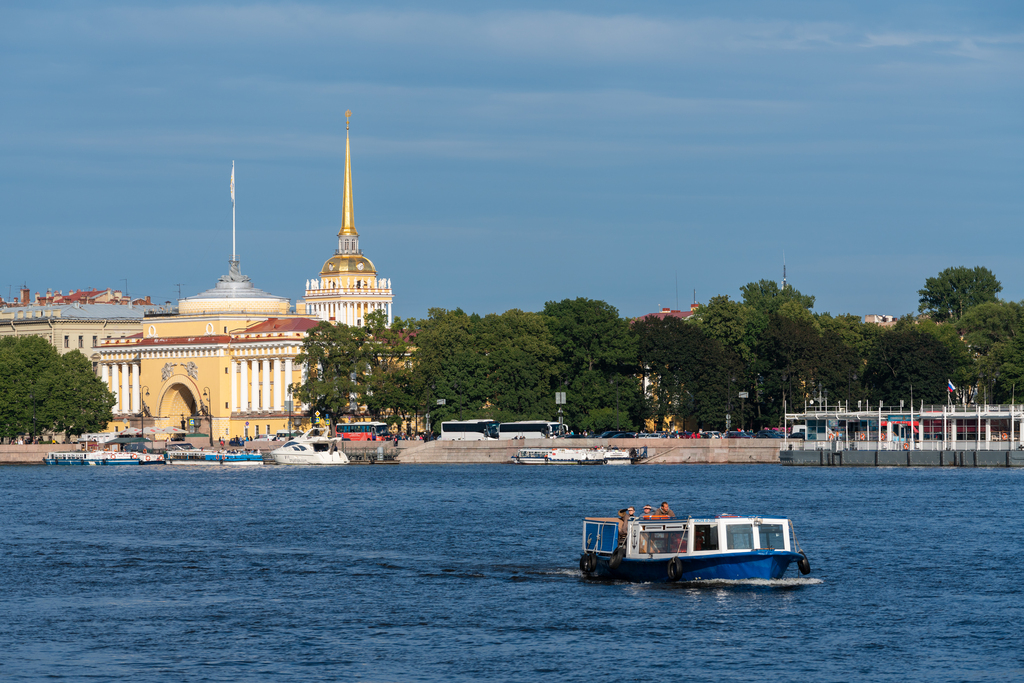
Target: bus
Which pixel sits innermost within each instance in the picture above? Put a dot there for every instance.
(362, 431)
(469, 430)
(531, 429)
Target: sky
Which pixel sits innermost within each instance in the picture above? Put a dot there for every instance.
(509, 154)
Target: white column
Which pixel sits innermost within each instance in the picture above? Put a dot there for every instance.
(278, 403)
(125, 396)
(288, 378)
(115, 387)
(136, 404)
(303, 373)
(105, 374)
(243, 381)
(265, 394)
(234, 386)
(255, 385)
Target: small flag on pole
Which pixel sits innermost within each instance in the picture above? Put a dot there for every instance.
(949, 382)
(232, 181)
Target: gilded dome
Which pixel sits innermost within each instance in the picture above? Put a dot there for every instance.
(351, 264)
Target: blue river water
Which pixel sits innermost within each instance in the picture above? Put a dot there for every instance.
(469, 573)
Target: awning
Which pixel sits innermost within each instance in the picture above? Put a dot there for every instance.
(129, 439)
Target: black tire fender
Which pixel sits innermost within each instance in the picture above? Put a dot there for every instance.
(803, 564)
(616, 558)
(584, 563)
(674, 569)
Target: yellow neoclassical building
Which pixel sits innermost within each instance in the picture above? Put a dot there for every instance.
(349, 287)
(224, 360)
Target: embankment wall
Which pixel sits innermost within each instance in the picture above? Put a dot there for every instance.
(660, 451)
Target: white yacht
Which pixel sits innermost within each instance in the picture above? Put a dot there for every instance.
(315, 447)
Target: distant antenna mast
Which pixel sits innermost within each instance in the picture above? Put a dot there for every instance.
(784, 284)
(178, 285)
(677, 290)
(694, 296)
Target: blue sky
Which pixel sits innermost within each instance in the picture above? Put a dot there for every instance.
(508, 156)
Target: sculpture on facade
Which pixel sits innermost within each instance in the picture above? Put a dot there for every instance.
(192, 369)
(167, 371)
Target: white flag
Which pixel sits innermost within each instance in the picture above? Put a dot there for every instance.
(232, 182)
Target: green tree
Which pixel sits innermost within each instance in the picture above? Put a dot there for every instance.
(908, 360)
(450, 365)
(389, 391)
(596, 363)
(335, 358)
(737, 326)
(42, 391)
(521, 364)
(767, 297)
(951, 293)
(689, 373)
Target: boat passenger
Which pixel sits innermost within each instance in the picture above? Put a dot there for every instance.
(631, 510)
(647, 509)
(665, 510)
(623, 527)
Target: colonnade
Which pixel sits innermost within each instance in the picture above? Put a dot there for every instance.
(122, 379)
(261, 385)
(351, 313)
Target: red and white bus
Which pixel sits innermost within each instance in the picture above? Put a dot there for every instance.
(362, 431)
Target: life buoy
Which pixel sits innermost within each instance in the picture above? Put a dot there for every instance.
(674, 569)
(906, 446)
(804, 564)
(147, 458)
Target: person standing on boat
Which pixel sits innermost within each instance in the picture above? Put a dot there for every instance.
(623, 527)
(665, 510)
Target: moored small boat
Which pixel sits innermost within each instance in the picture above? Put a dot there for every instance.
(571, 456)
(185, 454)
(659, 548)
(103, 457)
(314, 447)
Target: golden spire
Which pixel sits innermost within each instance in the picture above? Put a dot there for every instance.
(348, 225)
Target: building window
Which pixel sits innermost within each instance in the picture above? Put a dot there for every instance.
(67, 342)
(81, 342)
(94, 339)
(225, 371)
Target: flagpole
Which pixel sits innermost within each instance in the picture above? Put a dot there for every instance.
(234, 254)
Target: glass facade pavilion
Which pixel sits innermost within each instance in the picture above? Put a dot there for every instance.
(924, 427)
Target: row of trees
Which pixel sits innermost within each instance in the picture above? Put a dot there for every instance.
(627, 374)
(42, 391)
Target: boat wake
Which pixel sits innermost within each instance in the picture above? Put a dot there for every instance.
(773, 583)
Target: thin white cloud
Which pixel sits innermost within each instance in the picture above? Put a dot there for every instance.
(528, 36)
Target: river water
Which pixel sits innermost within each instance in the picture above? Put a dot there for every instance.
(467, 573)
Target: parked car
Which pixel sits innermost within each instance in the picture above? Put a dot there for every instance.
(769, 434)
(738, 435)
(711, 435)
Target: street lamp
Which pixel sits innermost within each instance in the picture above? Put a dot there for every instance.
(142, 413)
(32, 397)
(206, 409)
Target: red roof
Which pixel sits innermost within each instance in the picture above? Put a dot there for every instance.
(286, 325)
(669, 313)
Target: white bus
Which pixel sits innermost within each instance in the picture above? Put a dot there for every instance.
(469, 430)
(531, 429)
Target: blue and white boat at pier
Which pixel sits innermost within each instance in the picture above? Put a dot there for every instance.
(103, 457)
(660, 548)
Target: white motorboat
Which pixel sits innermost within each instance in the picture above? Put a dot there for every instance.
(571, 456)
(315, 447)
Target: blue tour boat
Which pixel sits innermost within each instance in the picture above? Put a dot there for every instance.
(660, 548)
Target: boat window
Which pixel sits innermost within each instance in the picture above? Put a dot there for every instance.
(663, 542)
(739, 536)
(772, 537)
(290, 443)
(705, 537)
